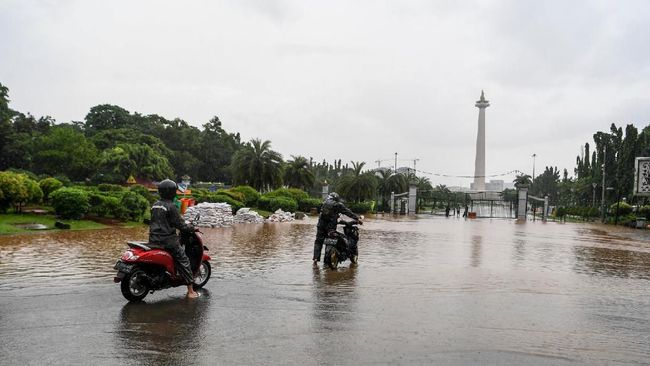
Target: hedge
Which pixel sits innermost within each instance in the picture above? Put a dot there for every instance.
(360, 207)
(250, 194)
(307, 204)
(70, 203)
(275, 203)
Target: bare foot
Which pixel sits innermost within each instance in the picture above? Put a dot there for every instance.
(193, 295)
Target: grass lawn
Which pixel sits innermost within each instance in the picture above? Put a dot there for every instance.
(8, 221)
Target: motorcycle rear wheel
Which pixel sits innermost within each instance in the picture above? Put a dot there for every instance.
(132, 286)
(331, 257)
(203, 275)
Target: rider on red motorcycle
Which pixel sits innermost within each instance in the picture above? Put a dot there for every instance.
(165, 219)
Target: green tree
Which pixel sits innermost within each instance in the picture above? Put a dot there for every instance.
(139, 160)
(256, 165)
(65, 151)
(105, 117)
(49, 185)
(298, 173)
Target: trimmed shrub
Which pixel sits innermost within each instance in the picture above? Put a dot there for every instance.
(360, 207)
(305, 205)
(17, 189)
(645, 211)
(105, 187)
(250, 194)
(237, 196)
(144, 192)
(49, 185)
(135, 206)
(623, 208)
(70, 203)
(274, 203)
(293, 193)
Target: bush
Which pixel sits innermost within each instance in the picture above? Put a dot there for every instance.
(135, 206)
(105, 187)
(645, 211)
(237, 196)
(274, 203)
(144, 192)
(360, 207)
(250, 194)
(293, 193)
(70, 203)
(17, 189)
(623, 208)
(49, 185)
(103, 205)
(307, 204)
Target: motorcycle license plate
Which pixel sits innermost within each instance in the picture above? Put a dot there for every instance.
(330, 241)
(123, 267)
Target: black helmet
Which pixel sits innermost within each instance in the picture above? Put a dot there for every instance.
(334, 197)
(167, 189)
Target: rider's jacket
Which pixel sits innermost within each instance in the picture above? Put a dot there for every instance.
(329, 214)
(165, 219)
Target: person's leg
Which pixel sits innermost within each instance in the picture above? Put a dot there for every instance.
(183, 267)
(318, 243)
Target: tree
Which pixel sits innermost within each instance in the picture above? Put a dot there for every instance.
(217, 150)
(64, 151)
(16, 190)
(522, 180)
(139, 160)
(357, 186)
(256, 165)
(106, 116)
(5, 126)
(298, 174)
(387, 182)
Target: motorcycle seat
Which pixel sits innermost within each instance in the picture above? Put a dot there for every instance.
(138, 244)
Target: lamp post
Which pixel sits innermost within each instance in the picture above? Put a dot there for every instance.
(602, 198)
(533, 180)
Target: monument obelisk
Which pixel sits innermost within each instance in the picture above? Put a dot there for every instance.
(479, 163)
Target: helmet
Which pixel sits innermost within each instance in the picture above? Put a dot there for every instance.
(334, 197)
(167, 189)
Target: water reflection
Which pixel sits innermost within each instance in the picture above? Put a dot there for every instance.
(612, 262)
(166, 332)
(477, 249)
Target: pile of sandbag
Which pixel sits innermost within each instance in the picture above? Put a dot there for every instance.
(211, 214)
(247, 216)
(281, 216)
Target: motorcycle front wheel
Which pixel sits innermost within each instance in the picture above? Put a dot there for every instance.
(133, 287)
(331, 257)
(203, 275)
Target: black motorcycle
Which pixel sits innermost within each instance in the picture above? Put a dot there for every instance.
(340, 247)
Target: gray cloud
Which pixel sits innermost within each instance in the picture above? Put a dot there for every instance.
(377, 77)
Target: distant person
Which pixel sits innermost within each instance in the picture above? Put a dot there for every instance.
(165, 219)
(447, 211)
(331, 208)
(465, 212)
(457, 211)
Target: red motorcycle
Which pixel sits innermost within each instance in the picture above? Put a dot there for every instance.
(143, 269)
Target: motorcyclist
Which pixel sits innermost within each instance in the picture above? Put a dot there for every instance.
(165, 219)
(331, 208)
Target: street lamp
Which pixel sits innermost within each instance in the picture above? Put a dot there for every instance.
(534, 156)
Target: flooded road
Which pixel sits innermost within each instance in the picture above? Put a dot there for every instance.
(427, 290)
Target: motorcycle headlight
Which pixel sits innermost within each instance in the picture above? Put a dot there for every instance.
(129, 256)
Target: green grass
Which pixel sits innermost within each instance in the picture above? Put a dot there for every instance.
(8, 221)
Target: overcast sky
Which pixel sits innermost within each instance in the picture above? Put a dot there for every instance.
(357, 80)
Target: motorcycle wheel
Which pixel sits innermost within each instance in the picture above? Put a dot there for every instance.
(331, 257)
(203, 275)
(354, 258)
(132, 287)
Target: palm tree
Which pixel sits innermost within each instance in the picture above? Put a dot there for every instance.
(298, 174)
(357, 186)
(425, 191)
(522, 180)
(389, 181)
(257, 165)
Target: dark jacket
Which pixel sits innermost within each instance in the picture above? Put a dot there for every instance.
(329, 214)
(165, 219)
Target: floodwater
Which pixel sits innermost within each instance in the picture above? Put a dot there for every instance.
(427, 290)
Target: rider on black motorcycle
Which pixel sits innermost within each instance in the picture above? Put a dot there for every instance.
(329, 215)
(165, 219)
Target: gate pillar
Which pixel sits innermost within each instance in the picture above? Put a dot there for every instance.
(413, 193)
(392, 202)
(522, 203)
(544, 216)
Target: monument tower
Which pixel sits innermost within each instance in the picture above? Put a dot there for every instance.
(479, 163)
